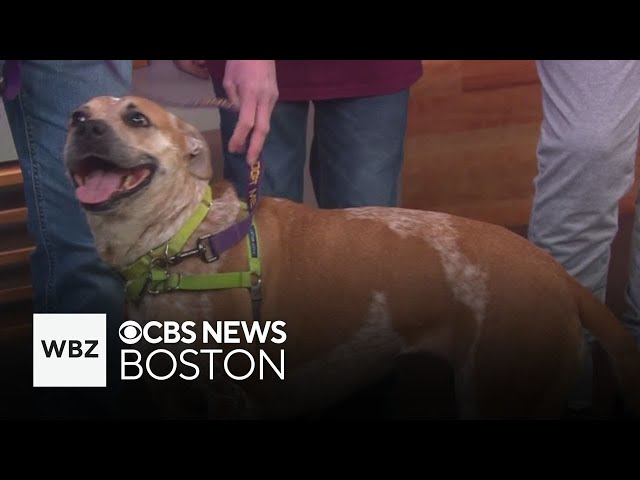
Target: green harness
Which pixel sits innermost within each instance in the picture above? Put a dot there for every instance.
(150, 273)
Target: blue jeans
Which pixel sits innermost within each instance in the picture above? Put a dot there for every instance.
(67, 275)
(356, 154)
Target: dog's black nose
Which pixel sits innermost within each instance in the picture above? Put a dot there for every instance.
(92, 128)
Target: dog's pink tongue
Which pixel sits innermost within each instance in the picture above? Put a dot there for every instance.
(99, 186)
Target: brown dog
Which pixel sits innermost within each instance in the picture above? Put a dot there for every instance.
(357, 288)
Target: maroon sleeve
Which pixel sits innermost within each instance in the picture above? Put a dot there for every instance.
(326, 79)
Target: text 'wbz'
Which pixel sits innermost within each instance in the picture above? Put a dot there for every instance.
(162, 364)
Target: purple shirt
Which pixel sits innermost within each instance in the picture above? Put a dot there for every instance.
(326, 79)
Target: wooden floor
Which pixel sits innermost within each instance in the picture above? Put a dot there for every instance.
(473, 128)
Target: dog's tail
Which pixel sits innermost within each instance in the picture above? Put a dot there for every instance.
(616, 341)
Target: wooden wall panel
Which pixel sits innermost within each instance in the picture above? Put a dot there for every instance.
(471, 142)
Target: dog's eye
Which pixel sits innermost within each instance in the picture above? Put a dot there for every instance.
(78, 117)
(136, 119)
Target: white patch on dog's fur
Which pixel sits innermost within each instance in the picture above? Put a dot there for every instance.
(367, 355)
(467, 280)
(115, 99)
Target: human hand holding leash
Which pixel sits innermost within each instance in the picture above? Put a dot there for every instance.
(252, 86)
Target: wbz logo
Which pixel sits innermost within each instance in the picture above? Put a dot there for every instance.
(74, 350)
(69, 350)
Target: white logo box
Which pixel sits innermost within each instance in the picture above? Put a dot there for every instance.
(77, 350)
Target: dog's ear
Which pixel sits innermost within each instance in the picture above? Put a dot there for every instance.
(199, 154)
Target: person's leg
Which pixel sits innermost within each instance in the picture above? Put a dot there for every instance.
(358, 149)
(284, 152)
(67, 275)
(586, 159)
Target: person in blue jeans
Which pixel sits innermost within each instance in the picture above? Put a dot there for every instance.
(67, 274)
(359, 129)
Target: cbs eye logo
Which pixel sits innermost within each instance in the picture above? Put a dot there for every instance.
(130, 332)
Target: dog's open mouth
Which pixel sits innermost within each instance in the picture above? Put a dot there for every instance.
(100, 183)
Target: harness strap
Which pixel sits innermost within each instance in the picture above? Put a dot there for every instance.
(158, 280)
(161, 282)
(140, 267)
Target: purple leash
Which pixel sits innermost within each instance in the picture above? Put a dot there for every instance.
(222, 241)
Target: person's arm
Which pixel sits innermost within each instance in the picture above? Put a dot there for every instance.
(252, 86)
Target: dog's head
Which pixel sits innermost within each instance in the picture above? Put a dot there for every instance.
(119, 148)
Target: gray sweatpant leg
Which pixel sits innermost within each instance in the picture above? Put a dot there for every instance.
(586, 159)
